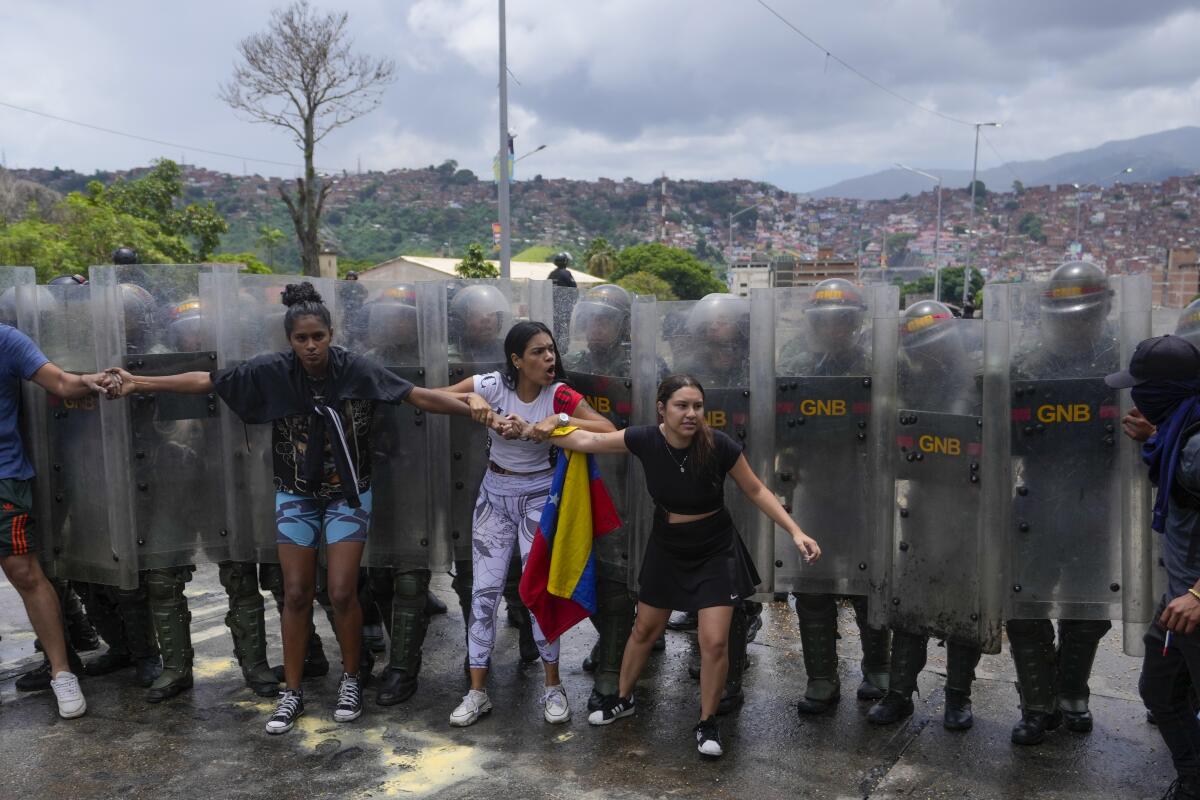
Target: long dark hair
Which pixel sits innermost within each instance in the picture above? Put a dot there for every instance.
(515, 343)
(302, 299)
(703, 440)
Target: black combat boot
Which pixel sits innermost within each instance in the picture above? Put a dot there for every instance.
(247, 626)
(876, 654)
(908, 659)
(614, 622)
(81, 634)
(1032, 643)
(960, 674)
(172, 623)
(818, 639)
(409, 623)
(732, 698)
(1077, 644)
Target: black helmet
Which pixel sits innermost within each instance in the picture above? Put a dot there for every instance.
(138, 305)
(124, 255)
(67, 280)
(352, 275)
(563, 259)
(1075, 304)
(834, 314)
(186, 326)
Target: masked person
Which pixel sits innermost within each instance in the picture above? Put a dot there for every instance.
(320, 400)
(695, 560)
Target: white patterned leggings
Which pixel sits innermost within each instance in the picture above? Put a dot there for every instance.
(507, 512)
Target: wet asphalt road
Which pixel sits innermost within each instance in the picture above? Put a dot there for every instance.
(209, 741)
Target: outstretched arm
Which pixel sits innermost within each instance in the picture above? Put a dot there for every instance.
(583, 441)
(68, 385)
(441, 402)
(768, 503)
(183, 383)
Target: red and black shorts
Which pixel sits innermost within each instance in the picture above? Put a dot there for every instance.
(16, 522)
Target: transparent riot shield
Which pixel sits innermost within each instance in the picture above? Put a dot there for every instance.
(248, 317)
(1067, 491)
(944, 574)
(167, 448)
(832, 357)
(598, 363)
(82, 520)
(726, 345)
(403, 327)
(479, 315)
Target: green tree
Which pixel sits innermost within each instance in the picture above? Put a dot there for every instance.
(475, 264)
(254, 265)
(647, 283)
(952, 285)
(896, 246)
(1018, 188)
(268, 239)
(688, 277)
(600, 258)
(1031, 226)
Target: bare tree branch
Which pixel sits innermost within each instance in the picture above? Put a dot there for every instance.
(302, 75)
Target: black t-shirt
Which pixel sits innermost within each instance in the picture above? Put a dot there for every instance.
(674, 479)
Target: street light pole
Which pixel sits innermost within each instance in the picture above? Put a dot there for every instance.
(505, 213)
(937, 232)
(971, 225)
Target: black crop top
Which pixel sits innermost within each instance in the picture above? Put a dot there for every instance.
(690, 491)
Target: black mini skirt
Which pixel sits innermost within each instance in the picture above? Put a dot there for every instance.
(693, 565)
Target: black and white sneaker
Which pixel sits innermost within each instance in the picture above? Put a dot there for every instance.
(708, 738)
(349, 704)
(613, 708)
(291, 706)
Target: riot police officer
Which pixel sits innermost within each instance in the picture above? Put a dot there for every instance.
(1075, 342)
(561, 274)
(830, 345)
(602, 317)
(938, 377)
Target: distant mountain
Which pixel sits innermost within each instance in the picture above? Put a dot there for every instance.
(1153, 157)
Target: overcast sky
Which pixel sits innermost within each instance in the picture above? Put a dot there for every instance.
(693, 88)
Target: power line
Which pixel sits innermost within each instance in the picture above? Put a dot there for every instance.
(830, 56)
(127, 135)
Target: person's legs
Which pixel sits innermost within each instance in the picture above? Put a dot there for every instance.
(526, 510)
(961, 660)
(247, 625)
(647, 627)
(817, 614)
(342, 562)
(172, 625)
(876, 653)
(713, 635)
(25, 574)
(493, 537)
(1032, 645)
(1166, 685)
(1078, 640)
(408, 620)
(909, 652)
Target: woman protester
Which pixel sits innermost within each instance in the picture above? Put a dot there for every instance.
(531, 397)
(695, 560)
(320, 400)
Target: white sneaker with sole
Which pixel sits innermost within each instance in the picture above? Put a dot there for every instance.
(554, 701)
(473, 706)
(70, 699)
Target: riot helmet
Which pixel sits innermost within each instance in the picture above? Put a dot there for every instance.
(186, 326)
(1189, 323)
(140, 322)
(563, 260)
(67, 280)
(719, 326)
(1075, 303)
(124, 255)
(928, 338)
(601, 318)
(392, 321)
(834, 315)
(479, 318)
(47, 305)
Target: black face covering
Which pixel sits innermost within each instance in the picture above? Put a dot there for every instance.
(1157, 399)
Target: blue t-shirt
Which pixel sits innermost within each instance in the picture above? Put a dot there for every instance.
(19, 359)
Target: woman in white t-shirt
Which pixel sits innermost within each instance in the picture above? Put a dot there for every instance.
(532, 398)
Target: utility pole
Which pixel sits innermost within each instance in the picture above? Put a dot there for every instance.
(971, 224)
(505, 215)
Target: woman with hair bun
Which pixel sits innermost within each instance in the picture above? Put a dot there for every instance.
(695, 559)
(320, 400)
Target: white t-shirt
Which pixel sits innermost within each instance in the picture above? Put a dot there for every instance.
(515, 454)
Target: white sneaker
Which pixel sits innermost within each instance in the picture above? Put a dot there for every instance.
(473, 706)
(70, 699)
(555, 702)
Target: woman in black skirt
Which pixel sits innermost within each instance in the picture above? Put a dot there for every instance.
(695, 559)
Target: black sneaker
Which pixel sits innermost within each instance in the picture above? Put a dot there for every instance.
(37, 680)
(612, 709)
(708, 738)
(291, 706)
(349, 704)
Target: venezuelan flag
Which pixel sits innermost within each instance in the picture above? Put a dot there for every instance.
(559, 581)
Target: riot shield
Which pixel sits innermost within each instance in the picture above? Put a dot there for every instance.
(479, 315)
(83, 523)
(944, 572)
(248, 318)
(167, 448)
(598, 365)
(832, 360)
(666, 338)
(403, 327)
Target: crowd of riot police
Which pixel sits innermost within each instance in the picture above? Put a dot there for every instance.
(963, 476)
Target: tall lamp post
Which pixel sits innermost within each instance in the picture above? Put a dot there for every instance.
(971, 225)
(734, 216)
(505, 215)
(937, 232)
